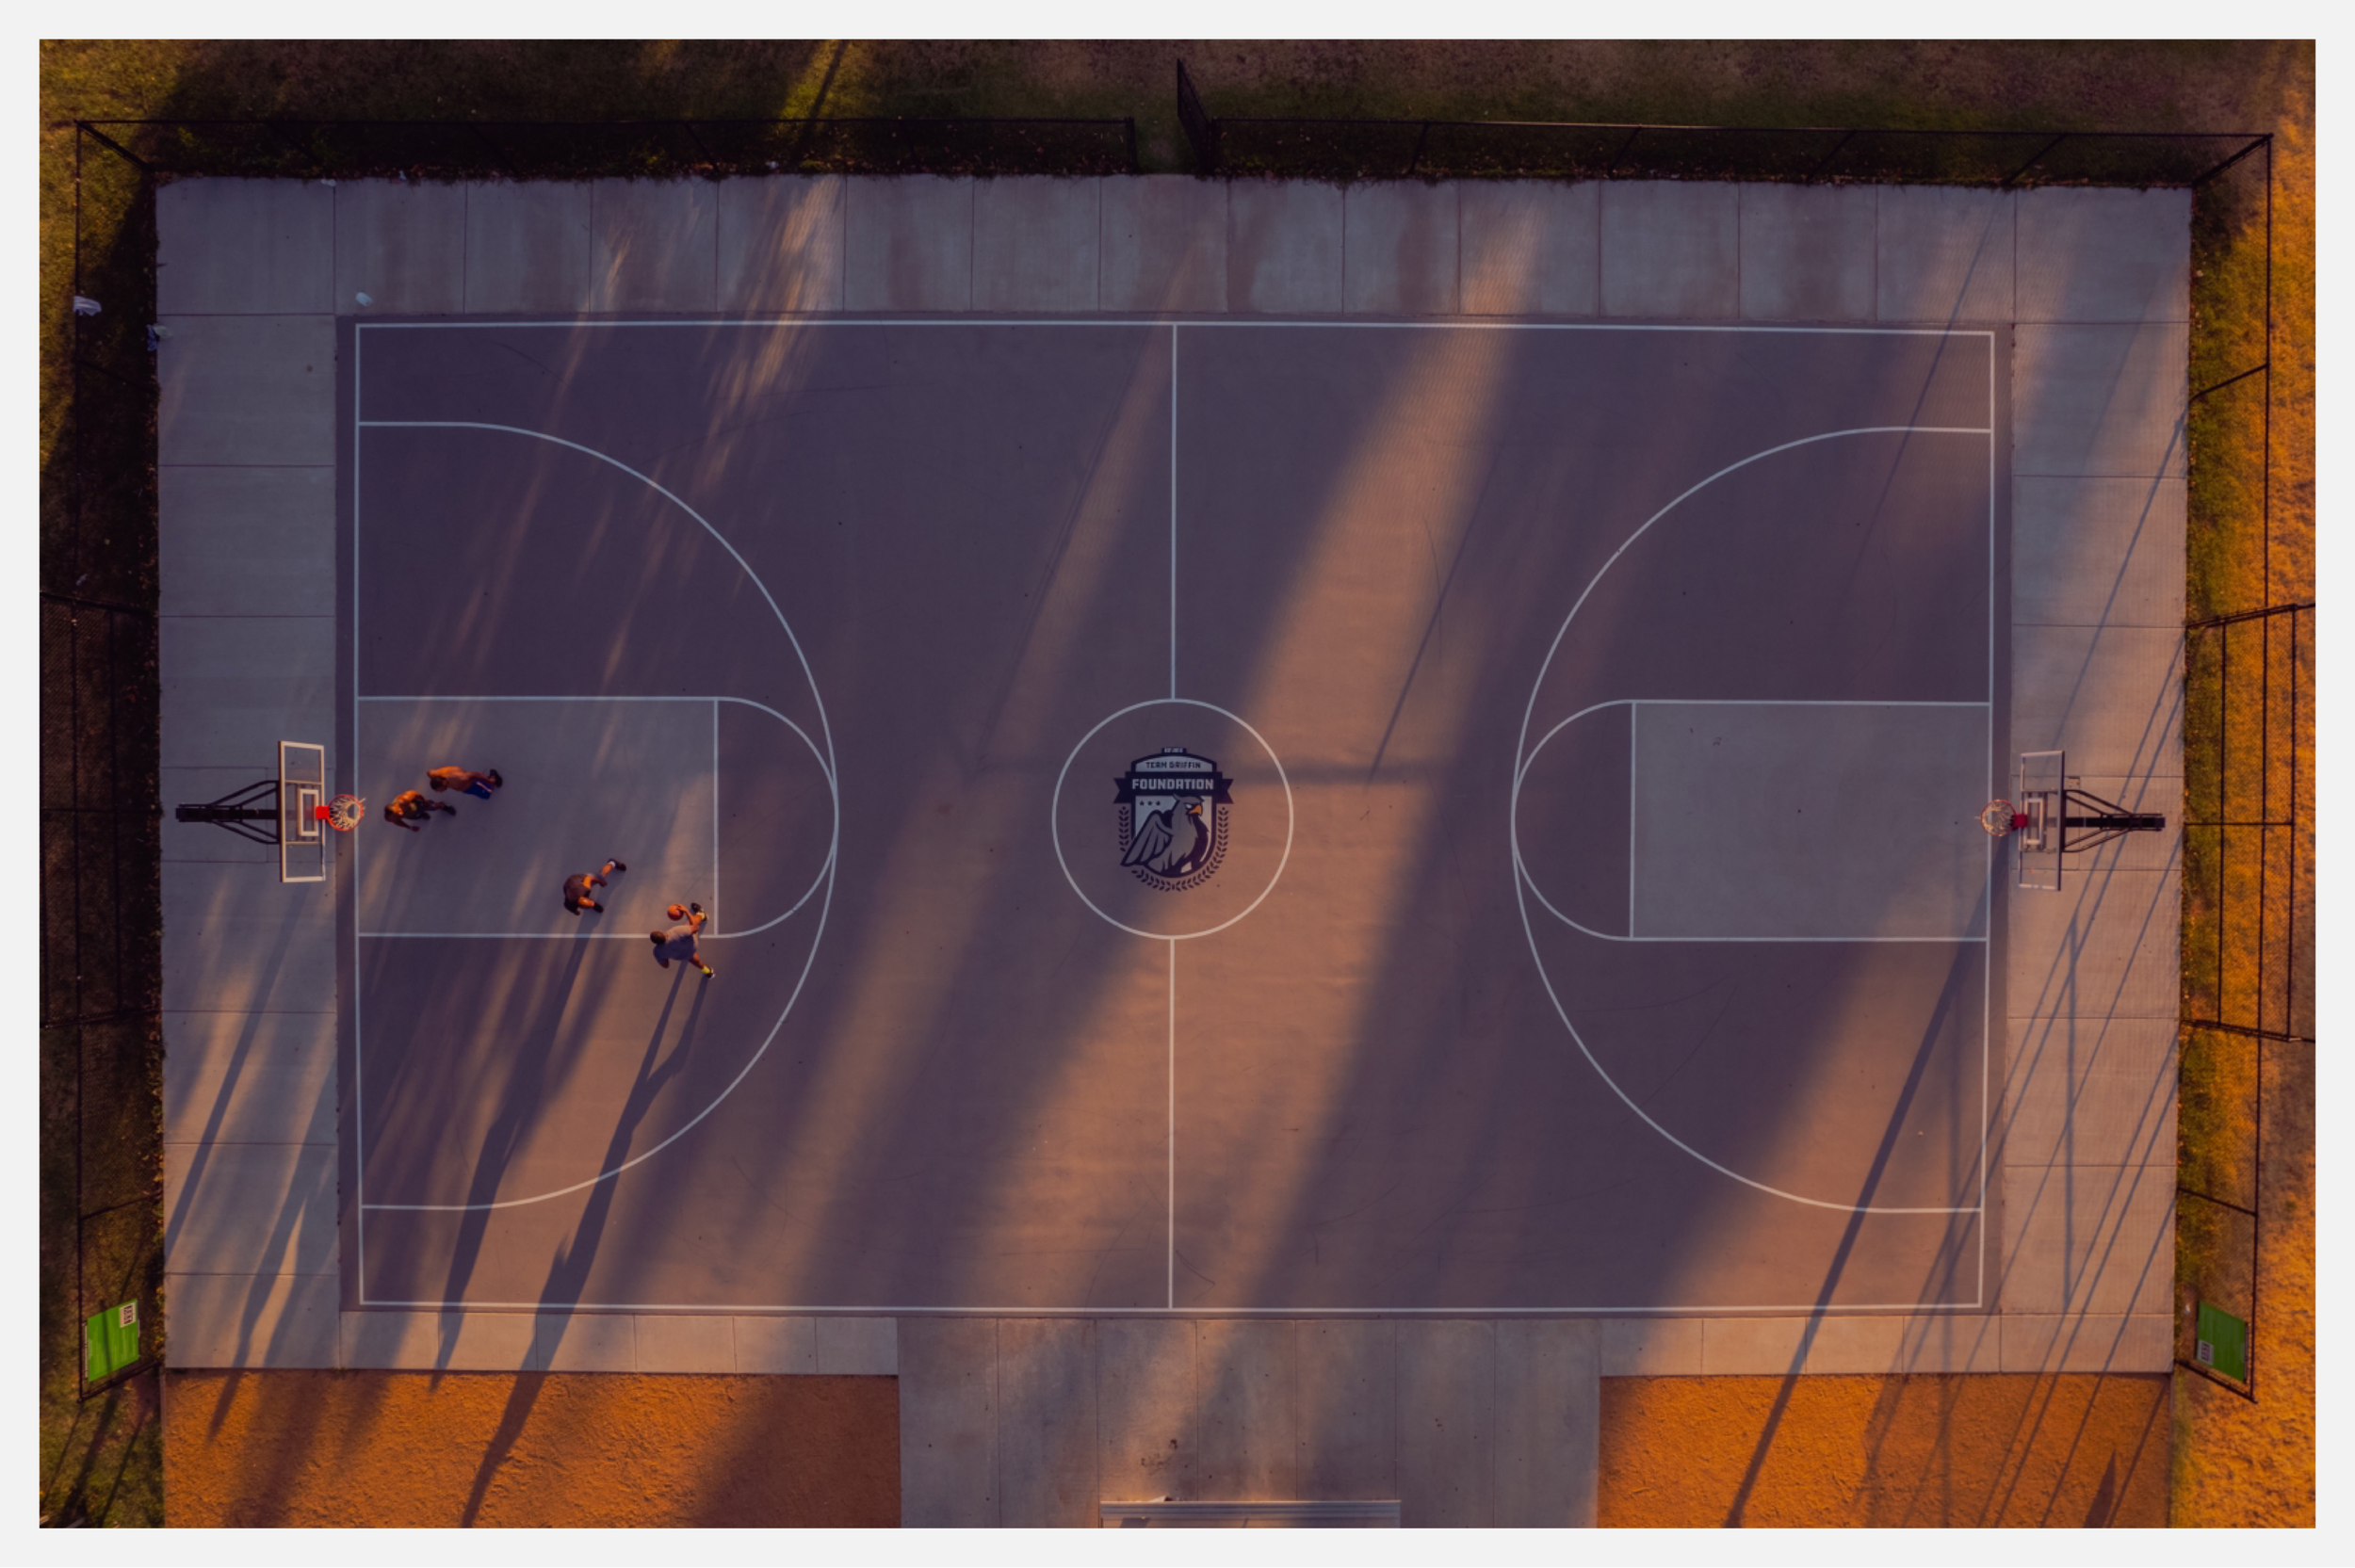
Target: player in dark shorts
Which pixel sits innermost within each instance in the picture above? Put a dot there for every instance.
(464, 779)
(678, 942)
(412, 810)
(576, 895)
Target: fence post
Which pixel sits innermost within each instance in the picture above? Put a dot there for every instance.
(1817, 172)
(1421, 136)
(490, 146)
(1201, 130)
(2015, 174)
(278, 128)
(137, 162)
(1620, 156)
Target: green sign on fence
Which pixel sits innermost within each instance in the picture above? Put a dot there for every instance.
(2221, 1341)
(110, 1341)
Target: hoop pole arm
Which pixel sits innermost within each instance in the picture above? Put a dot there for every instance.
(2102, 821)
(238, 811)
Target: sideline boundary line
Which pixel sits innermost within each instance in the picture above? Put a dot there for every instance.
(1960, 1312)
(1467, 325)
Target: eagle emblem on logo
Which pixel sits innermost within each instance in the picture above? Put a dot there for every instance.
(1173, 819)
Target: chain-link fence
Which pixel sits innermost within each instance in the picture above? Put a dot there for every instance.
(101, 954)
(1309, 149)
(2249, 949)
(651, 149)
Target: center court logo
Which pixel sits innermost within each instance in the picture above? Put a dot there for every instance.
(1173, 819)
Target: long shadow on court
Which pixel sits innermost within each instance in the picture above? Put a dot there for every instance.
(1957, 975)
(521, 1105)
(568, 1271)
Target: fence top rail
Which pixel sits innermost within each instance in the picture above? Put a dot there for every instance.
(2237, 616)
(985, 145)
(630, 124)
(2251, 136)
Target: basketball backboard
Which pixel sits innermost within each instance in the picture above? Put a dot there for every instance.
(301, 829)
(2043, 838)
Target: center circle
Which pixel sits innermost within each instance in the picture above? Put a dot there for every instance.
(1190, 711)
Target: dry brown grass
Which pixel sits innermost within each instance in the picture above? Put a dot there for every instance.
(1932, 1450)
(426, 1450)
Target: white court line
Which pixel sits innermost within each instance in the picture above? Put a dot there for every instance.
(602, 697)
(1635, 705)
(809, 893)
(773, 321)
(1523, 884)
(826, 760)
(1634, 710)
(1812, 1308)
(1173, 508)
(358, 1077)
(1172, 1123)
(1027, 1309)
(1987, 978)
(715, 814)
(1172, 1180)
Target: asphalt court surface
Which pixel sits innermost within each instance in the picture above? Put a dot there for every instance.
(1585, 909)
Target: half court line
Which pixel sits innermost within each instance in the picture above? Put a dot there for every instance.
(1173, 508)
(351, 767)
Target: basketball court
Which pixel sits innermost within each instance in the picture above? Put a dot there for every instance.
(1207, 816)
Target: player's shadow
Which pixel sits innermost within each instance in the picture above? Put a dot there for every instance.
(519, 1112)
(568, 1271)
(1960, 972)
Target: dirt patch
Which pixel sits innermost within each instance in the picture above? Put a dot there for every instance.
(426, 1450)
(1933, 1450)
